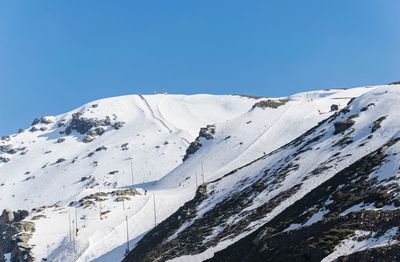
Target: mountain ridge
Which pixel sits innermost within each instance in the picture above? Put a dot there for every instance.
(91, 166)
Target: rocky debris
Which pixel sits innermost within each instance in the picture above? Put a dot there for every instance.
(29, 178)
(37, 217)
(334, 107)
(83, 124)
(270, 103)
(60, 160)
(120, 199)
(4, 159)
(118, 125)
(15, 235)
(83, 179)
(125, 192)
(97, 150)
(395, 83)
(98, 131)
(60, 140)
(101, 148)
(124, 146)
(365, 108)
(5, 138)
(90, 200)
(6, 217)
(377, 124)
(5, 148)
(43, 120)
(8, 149)
(33, 129)
(87, 139)
(206, 133)
(113, 172)
(341, 126)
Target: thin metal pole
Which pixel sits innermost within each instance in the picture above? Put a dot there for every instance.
(70, 225)
(154, 206)
(132, 172)
(73, 236)
(127, 234)
(99, 204)
(76, 222)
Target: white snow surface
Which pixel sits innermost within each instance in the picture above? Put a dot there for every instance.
(159, 129)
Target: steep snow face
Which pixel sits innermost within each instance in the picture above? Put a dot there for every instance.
(78, 165)
(232, 206)
(258, 132)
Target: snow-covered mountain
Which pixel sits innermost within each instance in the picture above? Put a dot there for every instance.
(184, 177)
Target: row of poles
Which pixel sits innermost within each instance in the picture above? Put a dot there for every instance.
(73, 223)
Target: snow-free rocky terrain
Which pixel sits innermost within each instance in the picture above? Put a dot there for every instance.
(310, 177)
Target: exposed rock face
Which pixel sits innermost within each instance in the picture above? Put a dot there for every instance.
(83, 124)
(341, 126)
(334, 107)
(43, 120)
(205, 132)
(6, 217)
(15, 235)
(4, 159)
(270, 103)
(87, 139)
(90, 127)
(348, 188)
(5, 138)
(8, 149)
(118, 125)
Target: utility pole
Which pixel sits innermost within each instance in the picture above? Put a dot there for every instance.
(76, 222)
(132, 171)
(154, 206)
(70, 225)
(196, 179)
(127, 235)
(99, 205)
(73, 235)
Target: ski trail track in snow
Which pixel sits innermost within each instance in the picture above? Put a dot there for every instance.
(153, 115)
(227, 167)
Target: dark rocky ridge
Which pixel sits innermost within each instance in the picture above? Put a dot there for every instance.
(312, 243)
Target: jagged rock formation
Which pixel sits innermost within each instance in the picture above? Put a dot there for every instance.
(205, 133)
(15, 234)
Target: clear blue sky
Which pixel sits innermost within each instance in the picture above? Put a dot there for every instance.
(57, 55)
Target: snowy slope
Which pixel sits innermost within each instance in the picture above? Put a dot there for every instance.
(286, 194)
(51, 167)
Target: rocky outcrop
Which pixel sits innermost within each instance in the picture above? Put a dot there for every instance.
(43, 120)
(91, 127)
(205, 133)
(341, 126)
(270, 103)
(82, 124)
(15, 234)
